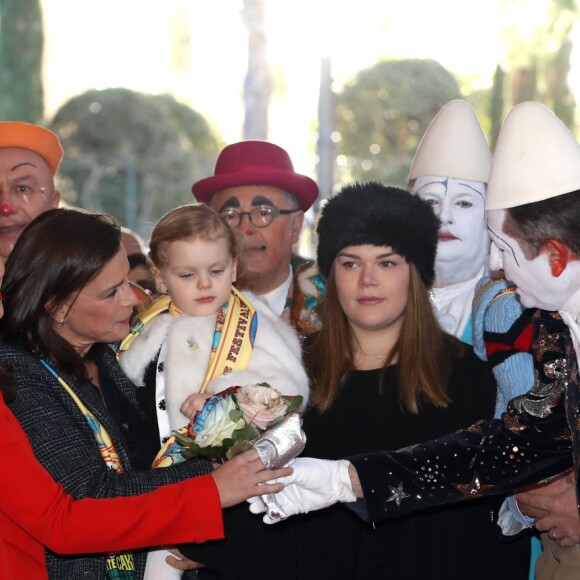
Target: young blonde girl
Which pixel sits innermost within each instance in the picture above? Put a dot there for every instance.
(202, 335)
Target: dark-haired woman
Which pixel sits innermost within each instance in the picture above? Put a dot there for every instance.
(385, 376)
(66, 294)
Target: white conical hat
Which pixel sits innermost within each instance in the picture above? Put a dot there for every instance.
(453, 146)
(536, 158)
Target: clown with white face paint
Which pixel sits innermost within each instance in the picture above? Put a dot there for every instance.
(534, 277)
(533, 215)
(450, 171)
(538, 246)
(463, 239)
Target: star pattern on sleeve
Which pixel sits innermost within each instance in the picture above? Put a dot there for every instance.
(472, 489)
(512, 422)
(397, 494)
(546, 342)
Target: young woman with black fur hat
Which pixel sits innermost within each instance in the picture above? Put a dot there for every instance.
(385, 375)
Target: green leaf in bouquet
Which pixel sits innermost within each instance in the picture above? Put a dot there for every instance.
(238, 447)
(183, 439)
(235, 415)
(248, 433)
(295, 402)
(209, 452)
(188, 454)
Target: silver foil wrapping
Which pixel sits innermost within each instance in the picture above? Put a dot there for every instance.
(276, 447)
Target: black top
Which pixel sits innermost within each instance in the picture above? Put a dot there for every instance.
(451, 542)
(455, 542)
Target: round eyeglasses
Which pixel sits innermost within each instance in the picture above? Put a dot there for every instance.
(260, 217)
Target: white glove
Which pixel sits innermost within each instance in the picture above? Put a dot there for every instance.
(315, 484)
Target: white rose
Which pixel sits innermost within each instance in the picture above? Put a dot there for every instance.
(213, 423)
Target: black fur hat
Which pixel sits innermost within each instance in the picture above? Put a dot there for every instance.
(379, 215)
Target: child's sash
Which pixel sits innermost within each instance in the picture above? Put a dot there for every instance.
(159, 306)
(233, 340)
(232, 346)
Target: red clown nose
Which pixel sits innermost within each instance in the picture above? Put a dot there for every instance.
(6, 209)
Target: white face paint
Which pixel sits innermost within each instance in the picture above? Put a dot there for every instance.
(536, 286)
(463, 239)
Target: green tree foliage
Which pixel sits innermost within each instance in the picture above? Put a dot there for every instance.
(382, 114)
(132, 155)
(21, 42)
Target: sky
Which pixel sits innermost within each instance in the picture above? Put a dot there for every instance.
(114, 43)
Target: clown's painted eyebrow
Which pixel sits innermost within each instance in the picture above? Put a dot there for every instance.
(257, 201)
(230, 202)
(443, 182)
(472, 189)
(261, 200)
(492, 233)
(22, 164)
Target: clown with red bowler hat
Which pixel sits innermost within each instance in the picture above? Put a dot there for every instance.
(256, 190)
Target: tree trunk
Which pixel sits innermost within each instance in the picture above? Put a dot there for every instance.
(257, 84)
(497, 105)
(563, 103)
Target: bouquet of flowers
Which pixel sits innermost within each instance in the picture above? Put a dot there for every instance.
(231, 421)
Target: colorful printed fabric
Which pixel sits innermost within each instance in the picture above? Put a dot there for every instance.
(307, 289)
(120, 565)
(234, 335)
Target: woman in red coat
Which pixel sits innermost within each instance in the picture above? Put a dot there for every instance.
(35, 511)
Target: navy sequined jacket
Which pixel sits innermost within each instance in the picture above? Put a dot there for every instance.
(536, 439)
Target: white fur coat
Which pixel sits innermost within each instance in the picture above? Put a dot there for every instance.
(276, 358)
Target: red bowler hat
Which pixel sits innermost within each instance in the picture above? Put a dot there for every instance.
(256, 163)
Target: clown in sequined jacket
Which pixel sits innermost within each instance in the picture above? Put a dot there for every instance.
(535, 440)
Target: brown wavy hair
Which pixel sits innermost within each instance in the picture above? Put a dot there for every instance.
(190, 222)
(424, 353)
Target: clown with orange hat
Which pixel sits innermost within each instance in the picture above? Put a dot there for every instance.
(29, 158)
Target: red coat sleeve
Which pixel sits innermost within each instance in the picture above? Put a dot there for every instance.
(188, 511)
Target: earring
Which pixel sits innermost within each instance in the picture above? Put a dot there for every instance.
(62, 321)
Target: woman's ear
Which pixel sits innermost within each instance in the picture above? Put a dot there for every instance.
(234, 270)
(58, 314)
(558, 256)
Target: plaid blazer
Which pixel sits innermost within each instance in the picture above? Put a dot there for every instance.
(65, 445)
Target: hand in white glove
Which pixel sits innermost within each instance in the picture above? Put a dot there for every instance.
(314, 484)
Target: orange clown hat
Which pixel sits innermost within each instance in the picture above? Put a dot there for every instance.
(34, 138)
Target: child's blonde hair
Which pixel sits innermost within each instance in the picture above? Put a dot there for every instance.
(194, 221)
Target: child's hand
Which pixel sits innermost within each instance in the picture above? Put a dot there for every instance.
(193, 404)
